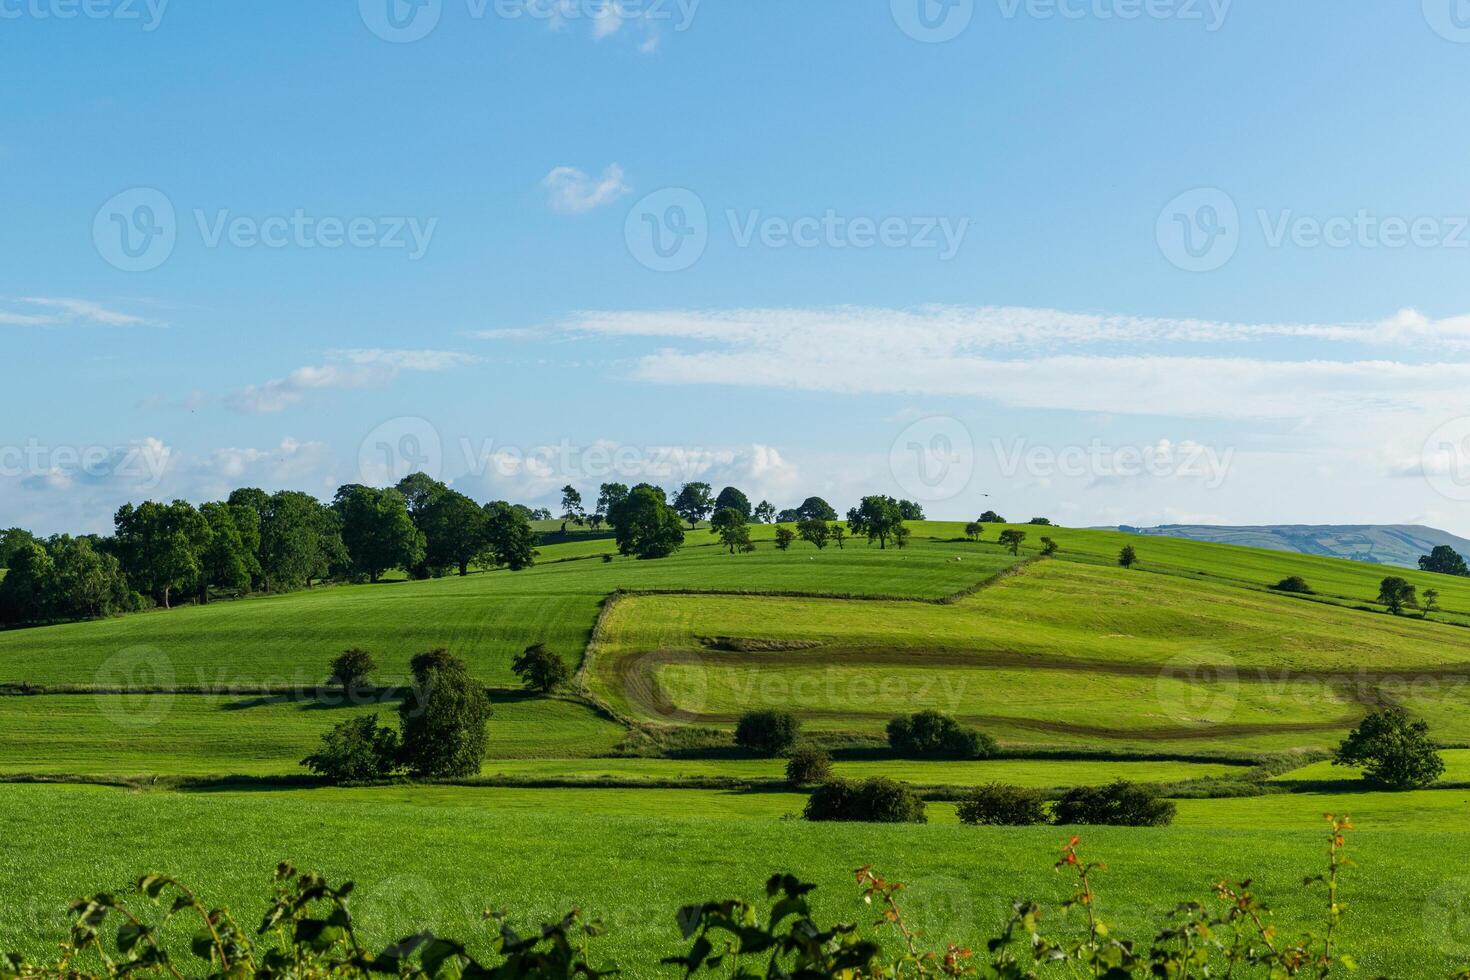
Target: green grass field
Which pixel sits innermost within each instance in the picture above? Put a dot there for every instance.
(436, 856)
(1185, 668)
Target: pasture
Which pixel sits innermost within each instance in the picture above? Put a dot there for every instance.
(623, 794)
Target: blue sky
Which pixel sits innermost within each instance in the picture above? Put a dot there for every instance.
(1132, 261)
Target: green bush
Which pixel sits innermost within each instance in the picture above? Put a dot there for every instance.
(768, 732)
(930, 733)
(1293, 583)
(352, 668)
(876, 800)
(997, 804)
(540, 669)
(1119, 804)
(808, 766)
(443, 718)
(355, 750)
(1393, 750)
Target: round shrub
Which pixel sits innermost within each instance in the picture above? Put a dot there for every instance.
(876, 800)
(768, 732)
(1293, 583)
(930, 733)
(1000, 805)
(807, 767)
(1119, 804)
(355, 750)
(351, 668)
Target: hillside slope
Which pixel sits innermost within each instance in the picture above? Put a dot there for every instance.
(1380, 544)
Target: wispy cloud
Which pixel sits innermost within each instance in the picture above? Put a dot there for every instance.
(573, 191)
(1050, 359)
(358, 368)
(42, 311)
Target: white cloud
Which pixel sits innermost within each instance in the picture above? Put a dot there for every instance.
(359, 368)
(572, 191)
(1049, 359)
(42, 311)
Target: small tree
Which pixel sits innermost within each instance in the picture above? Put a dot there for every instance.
(839, 534)
(1119, 804)
(815, 530)
(351, 668)
(808, 766)
(1431, 601)
(901, 535)
(1393, 750)
(1295, 584)
(571, 505)
(540, 669)
(974, 530)
(355, 750)
(784, 537)
(1041, 521)
(694, 502)
(768, 732)
(1048, 547)
(991, 517)
(999, 805)
(877, 800)
(730, 526)
(930, 733)
(1397, 595)
(1128, 557)
(1012, 539)
(443, 718)
(765, 512)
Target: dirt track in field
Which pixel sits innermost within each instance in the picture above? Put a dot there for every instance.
(636, 676)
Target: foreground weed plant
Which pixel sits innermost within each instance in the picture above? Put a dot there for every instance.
(308, 932)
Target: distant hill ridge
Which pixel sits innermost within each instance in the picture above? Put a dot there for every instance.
(1383, 544)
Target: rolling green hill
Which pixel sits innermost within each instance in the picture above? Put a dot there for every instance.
(1382, 544)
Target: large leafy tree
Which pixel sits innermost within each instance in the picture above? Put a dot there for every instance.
(300, 540)
(644, 524)
(765, 512)
(419, 491)
(443, 718)
(12, 539)
(27, 590)
(377, 530)
(161, 546)
(878, 518)
(609, 495)
(88, 583)
(910, 510)
(454, 530)
(1444, 560)
(1392, 749)
(227, 561)
(816, 509)
(571, 505)
(695, 502)
(731, 497)
(509, 538)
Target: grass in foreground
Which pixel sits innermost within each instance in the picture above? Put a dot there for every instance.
(439, 865)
